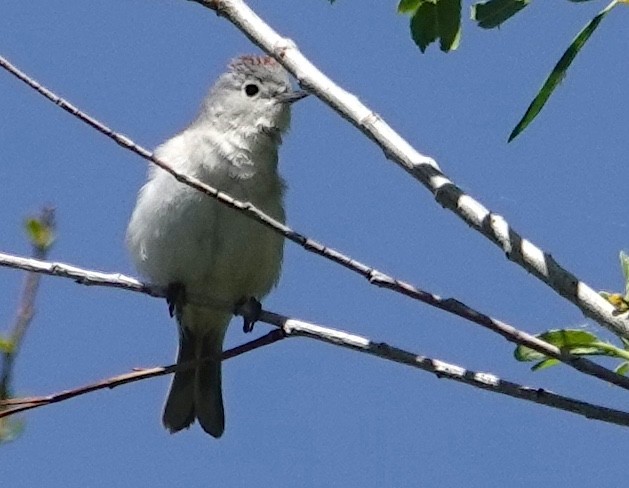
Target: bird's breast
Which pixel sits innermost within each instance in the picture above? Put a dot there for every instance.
(179, 235)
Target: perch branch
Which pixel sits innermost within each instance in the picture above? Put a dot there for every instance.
(297, 328)
(373, 275)
(423, 168)
(15, 405)
(117, 280)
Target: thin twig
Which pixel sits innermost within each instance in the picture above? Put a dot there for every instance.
(296, 328)
(373, 275)
(441, 369)
(423, 168)
(26, 308)
(117, 280)
(427, 172)
(16, 405)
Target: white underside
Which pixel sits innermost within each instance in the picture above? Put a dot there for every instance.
(177, 234)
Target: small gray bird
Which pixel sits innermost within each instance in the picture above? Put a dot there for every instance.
(182, 239)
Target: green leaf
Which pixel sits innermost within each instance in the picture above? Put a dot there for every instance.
(6, 345)
(622, 368)
(624, 264)
(494, 12)
(584, 351)
(437, 19)
(524, 354)
(559, 72)
(569, 338)
(10, 429)
(449, 16)
(423, 25)
(408, 6)
(546, 363)
(576, 341)
(40, 235)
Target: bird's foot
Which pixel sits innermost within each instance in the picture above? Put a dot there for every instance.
(249, 309)
(176, 298)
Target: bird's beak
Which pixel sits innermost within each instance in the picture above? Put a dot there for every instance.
(291, 97)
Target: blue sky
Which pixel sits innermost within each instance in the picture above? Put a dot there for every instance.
(301, 413)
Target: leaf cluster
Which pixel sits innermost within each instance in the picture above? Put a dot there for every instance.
(584, 343)
(440, 20)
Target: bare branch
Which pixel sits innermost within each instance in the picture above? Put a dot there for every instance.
(15, 405)
(485, 381)
(423, 168)
(296, 328)
(116, 280)
(374, 276)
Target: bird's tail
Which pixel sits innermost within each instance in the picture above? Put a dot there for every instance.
(196, 393)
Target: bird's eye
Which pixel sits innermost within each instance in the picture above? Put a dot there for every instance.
(252, 89)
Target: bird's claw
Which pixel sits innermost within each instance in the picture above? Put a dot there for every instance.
(249, 309)
(175, 297)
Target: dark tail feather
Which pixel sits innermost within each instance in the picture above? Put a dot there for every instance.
(179, 410)
(196, 393)
(208, 396)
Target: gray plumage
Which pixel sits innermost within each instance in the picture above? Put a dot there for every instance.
(178, 235)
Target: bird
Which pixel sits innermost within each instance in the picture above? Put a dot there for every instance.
(193, 245)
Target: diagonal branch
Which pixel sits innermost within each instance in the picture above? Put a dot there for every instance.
(116, 280)
(374, 276)
(296, 328)
(15, 405)
(441, 369)
(422, 168)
